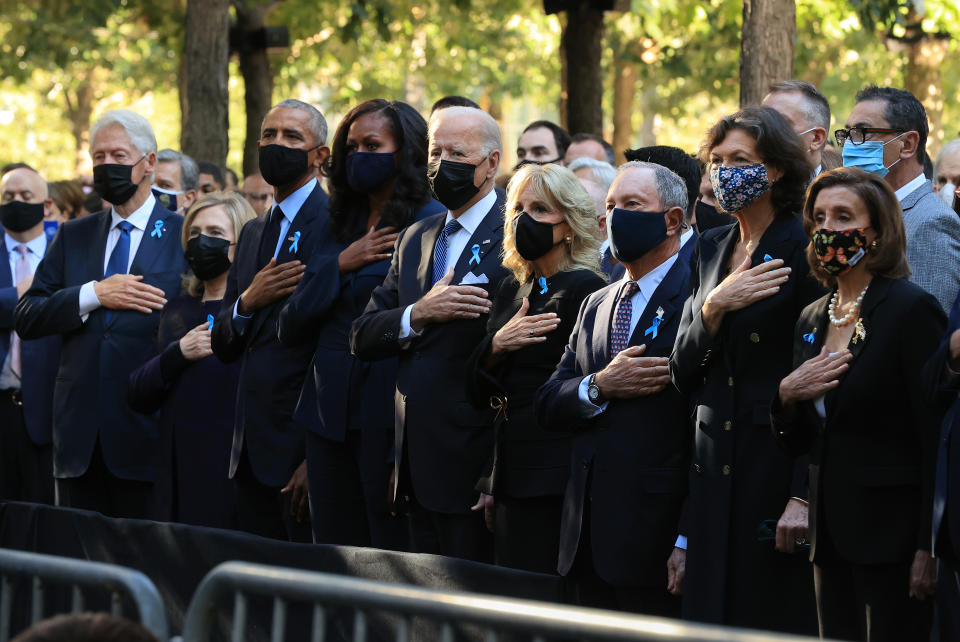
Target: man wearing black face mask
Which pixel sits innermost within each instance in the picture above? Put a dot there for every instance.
(431, 311)
(27, 368)
(629, 477)
(99, 285)
(268, 459)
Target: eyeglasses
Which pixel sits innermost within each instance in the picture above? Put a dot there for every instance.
(857, 135)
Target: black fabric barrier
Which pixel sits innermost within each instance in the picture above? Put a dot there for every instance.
(176, 557)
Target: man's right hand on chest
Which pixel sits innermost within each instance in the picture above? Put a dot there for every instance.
(445, 302)
(271, 283)
(129, 292)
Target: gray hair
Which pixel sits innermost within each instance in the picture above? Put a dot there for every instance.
(488, 126)
(317, 123)
(137, 127)
(602, 171)
(671, 190)
(951, 148)
(813, 104)
(189, 173)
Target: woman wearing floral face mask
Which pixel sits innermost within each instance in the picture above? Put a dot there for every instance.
(733, 346)
(856, 404)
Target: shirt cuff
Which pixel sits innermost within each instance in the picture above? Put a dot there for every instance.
(681, 542)
(587, 407)
(406, 332)
(238, 320)
(88, 301)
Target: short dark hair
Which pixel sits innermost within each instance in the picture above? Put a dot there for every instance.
(560, 135)
(889, 257)
(676, 160)
(817, 109)
(901, 110)
(777, 145)
(9, 167)
(206, 167)
(86, 627)
(232, 174)
(453, 101)
(607, 147)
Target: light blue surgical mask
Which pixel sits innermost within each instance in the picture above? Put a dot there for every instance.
(868, 156)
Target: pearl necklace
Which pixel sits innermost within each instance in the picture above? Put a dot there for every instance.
(849, 316)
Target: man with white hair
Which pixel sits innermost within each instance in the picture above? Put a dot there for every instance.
(600, 172)
(101, 286)
(175, 181)
(432, 311)
(946, 172)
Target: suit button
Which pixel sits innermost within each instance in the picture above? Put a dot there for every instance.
(728, 425)
(726, 470)
(754, 337)
(696, 468)
(730, 381)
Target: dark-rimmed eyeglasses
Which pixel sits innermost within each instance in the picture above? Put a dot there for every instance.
(857, 135)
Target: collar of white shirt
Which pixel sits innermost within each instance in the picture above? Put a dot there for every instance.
(649, 282)
(292, 204)
(37, 246)
(908, 189)
(139, 218)
(817, 171)
(603, 247)
(470, 219)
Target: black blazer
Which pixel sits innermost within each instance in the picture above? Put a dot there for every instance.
(872, 460)
(446, 440)
(740, 477)
(97, 356)
(637, 450)
(527, 460)
(271, 374)
(39, 357)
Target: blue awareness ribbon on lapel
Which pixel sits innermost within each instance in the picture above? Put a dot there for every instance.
(810, 336)
(476, 254)
(296, 242)
(209, 322)
(767, 257)
(543, 284)
(653, 328)
(157, 229)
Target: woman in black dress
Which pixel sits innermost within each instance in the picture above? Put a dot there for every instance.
(193, 390)
(551, 242)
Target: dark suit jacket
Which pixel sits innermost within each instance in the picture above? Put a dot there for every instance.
(446, 440)
(39, 357)
(98, 355)
(740, 477)
(271, 374)
(637, 450)
(872, 459)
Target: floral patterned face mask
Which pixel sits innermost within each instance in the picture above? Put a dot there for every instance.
(736, 188)
(839, 250)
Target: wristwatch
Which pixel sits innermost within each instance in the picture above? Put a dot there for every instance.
(593, 391)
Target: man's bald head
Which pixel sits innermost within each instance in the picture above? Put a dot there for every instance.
(23, 184)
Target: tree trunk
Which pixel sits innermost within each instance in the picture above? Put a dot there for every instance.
(925, 54)
(648, 135)
(205, 103)
(582, 42)
(257, 81)
(624, 89)
(766, 47)
(564, 75)
(79, 111)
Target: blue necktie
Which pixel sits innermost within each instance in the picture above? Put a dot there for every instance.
(620, 333)
(440, 251)
(120, 256)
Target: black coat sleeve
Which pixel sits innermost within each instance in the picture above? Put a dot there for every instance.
(374, 335)
(313, 299)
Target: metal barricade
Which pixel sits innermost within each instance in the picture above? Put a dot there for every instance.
(537, 621)
(115, 580)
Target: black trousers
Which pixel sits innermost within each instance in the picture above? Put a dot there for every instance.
(264, 510)
(348, 492)
(527, 532)
(99, 490)
(455, 535)
(26, 469)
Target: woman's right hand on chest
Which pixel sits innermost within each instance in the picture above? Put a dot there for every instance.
(742, 287)
(814, 377)
(373, 246)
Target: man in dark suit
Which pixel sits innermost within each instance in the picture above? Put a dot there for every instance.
(632, 451)
(431, 311)
(267, 462)
(27, 368)
(99, 286)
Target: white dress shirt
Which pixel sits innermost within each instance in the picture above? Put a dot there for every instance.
(456, 244)
(139, 219)
(35, 251)
(908, 189)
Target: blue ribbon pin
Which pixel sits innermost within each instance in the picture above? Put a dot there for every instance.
(209, 322)
(157, 229)
(476, 254)
(657, 320)
(767, 257)
(296, 242)
(543, 284)
(810, 336)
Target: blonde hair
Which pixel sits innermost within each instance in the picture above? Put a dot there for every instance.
(238, 211)
(561, 191)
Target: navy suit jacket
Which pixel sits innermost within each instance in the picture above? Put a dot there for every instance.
(271, 374)
(637, 450)
(39, 357)
(446, 439)
(98, 355)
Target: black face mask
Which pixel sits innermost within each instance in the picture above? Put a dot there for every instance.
(452, 182)
(633, 234)
(18, 216)
(369, 170)
(708, 217)
(281, 166)
(112, 182)
(555, 161)
(208, 256)
(533, 238)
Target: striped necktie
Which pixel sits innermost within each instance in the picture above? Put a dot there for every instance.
(443, 245)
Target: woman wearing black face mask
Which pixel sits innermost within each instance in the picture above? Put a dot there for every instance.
(377, 174)
(551, 242)
(193, 390)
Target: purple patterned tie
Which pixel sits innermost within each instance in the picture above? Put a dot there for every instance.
(22, 272)
(620, 332)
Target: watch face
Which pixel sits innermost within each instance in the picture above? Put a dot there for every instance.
(593, 392)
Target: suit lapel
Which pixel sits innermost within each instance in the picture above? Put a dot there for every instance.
(722, 247)
(773, 243)
(96, 260)
(601, 325)
(155, 238)
(666, 301)
(299, 239)
(428, 241)
(6, 277)
(485, 239)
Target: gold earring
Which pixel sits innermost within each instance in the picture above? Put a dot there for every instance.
(568, 239)
(874, 245)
